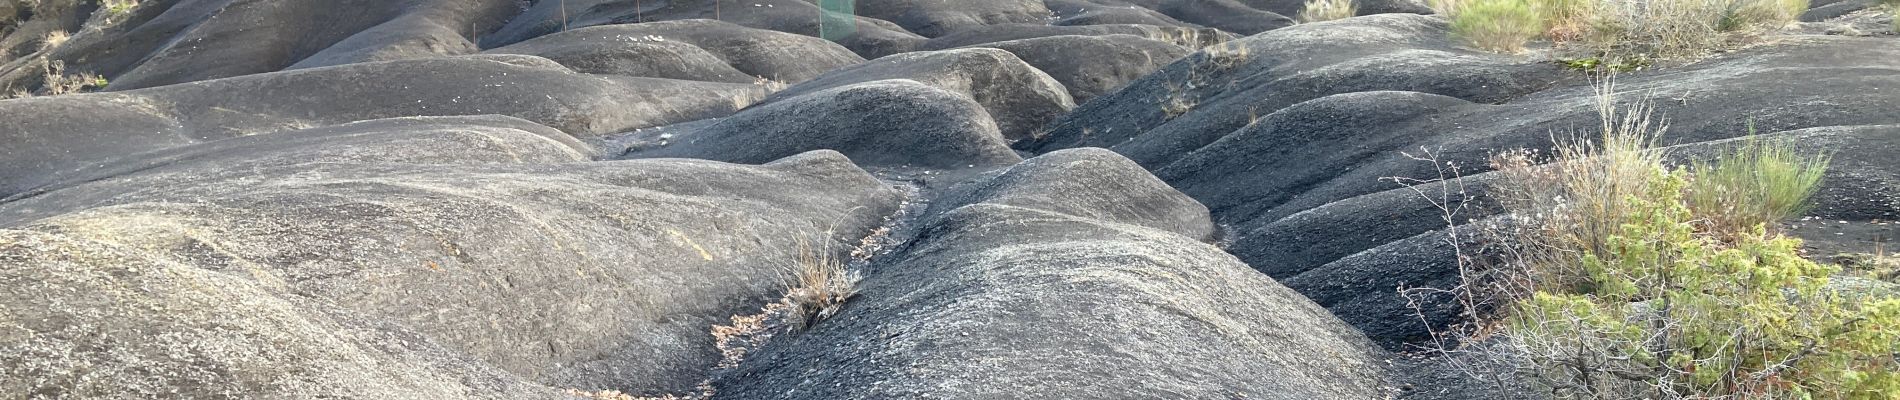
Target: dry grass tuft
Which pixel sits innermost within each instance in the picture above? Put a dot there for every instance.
(1212, 63)
(819, 285)
(1877, 265)
(55, 81)
(1227, 55)
(1327, 10)
(53, 40)
(1176, 106)
(1618, 29)
(1185, 37)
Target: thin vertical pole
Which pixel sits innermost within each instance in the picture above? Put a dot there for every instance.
(564, 15)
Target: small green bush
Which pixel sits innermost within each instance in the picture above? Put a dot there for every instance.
(1497, 25)
(1672, 313)
(1759, 185)
(1893, 7)
(114, 9)
(1630, 279)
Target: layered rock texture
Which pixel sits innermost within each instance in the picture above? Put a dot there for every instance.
(433, 199)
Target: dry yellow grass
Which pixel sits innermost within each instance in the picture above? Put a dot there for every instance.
(1668, 29)
(55, 81)
(819, 284)
(54, 39)
(1327, 10)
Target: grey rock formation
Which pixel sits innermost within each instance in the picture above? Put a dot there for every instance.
(1035, 296)
(1090, 183)
(175, 41)
(1020, 97)
(937, 18)
(695, 49)
(592, 275)
(58, 134)
(869, 37)
(1227, 15)
(91, 318)
(1185, 37)
(889, 123)
(1090, 66)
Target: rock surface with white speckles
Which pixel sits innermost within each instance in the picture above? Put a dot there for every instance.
(1025, 296)
(57, 134)
(403, 259)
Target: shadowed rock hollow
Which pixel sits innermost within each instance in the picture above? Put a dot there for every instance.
(1039, 198)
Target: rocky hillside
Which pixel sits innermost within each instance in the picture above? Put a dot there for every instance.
(1089, 199)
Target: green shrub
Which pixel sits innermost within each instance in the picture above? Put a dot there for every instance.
(1496, 25)
(1759, 185)
(1893, 7)
(1638, 286)
(1673, 313)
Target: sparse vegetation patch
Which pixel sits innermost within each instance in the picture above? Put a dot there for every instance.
(1502, 26)
(53, 40)
(819, 286)
(54, 80)
(1758, 186)
(1614, 29)
(1893, 8)
(1629, 278)
(116, 8)
(1327, 10)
